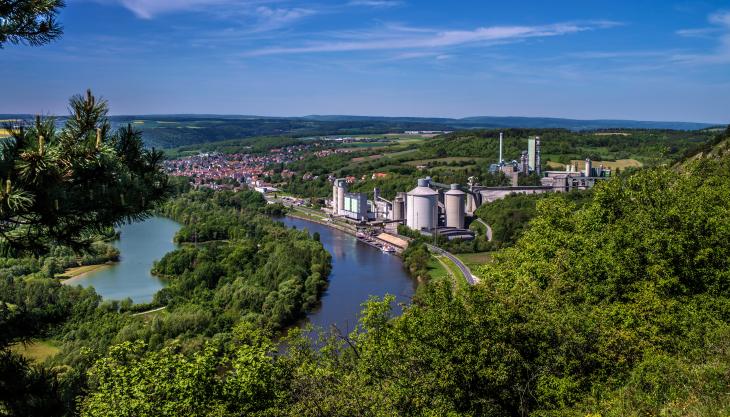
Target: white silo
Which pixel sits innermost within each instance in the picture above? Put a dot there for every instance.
(341, 190)
(399, 204)
(589, 167)
(455, 202)
(421, 207)
(335, 208)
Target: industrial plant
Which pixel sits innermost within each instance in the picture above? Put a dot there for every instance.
(433, 208)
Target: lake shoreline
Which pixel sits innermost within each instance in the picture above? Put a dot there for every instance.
(78, 273)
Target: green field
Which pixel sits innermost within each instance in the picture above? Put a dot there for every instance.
(618, 164)
(475, 259)
(37, 351)
(444, 160)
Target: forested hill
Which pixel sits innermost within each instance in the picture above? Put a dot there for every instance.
(179, 130)
(716, 148)
(493, 122)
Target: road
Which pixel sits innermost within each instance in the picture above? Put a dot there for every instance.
(489, 229)
(149, 311)
(470, 278)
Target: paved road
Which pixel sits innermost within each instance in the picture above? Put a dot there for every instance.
(149, 311)
(489, 229)
(470, 278)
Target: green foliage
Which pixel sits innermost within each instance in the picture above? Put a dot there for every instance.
(30, 22)
(241, 379)
(64, 187)
(509, 217)
(415, 259)
(250, 266)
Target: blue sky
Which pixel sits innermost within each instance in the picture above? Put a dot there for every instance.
(639, 59)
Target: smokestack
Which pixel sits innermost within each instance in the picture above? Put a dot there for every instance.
(501, 138)
(538, 161)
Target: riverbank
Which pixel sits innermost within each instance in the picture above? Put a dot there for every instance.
(72, 275)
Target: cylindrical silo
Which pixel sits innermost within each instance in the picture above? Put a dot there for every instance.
(455, 202)
(341, 190)
(335, 208)
(589, 167)
(399, 206)
(421, 207)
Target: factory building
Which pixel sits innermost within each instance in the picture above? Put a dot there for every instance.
(339, 189)
(355, 206)
(455, 202)
(573, 179)
(422, 206)
(399, 206)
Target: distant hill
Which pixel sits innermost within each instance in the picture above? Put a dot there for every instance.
(717, 148)
(491, 122)
(168, 131)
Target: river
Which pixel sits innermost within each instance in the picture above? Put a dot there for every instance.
(358, 270)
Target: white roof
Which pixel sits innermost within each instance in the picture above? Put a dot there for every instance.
(422, 191)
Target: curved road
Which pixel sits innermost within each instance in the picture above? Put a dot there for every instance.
(489, 228)
(470, 278)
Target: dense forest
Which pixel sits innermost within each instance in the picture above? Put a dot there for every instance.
(509, 217)
(619, 307)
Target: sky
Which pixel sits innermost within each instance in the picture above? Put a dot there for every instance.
(657, 60)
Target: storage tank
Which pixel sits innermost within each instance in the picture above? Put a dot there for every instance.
(341, 190)
(335, 208)
(421, 207)
(399, 206)
(455, 202)
(589, 167)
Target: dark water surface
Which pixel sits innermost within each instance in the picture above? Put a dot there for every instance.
(140, 245)
(358, 271)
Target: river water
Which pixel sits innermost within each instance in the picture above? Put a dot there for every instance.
(358, 270)
(140, 245)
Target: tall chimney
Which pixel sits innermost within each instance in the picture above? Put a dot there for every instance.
(538, 161)
(501, 138)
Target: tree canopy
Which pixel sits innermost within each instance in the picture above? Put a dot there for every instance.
(31, 22)
(65, 186)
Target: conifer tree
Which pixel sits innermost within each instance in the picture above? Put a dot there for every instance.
(31, 22)
(67, 186)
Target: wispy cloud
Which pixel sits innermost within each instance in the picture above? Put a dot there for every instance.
(261, 14)
(720, 31)
(405, 38)
(380, 4)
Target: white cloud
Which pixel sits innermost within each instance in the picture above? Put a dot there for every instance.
(399, 38)
(719, 32)
(380, 4)
(147, 9)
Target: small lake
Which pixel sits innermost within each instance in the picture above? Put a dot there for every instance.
(358, 271)
(140, 245)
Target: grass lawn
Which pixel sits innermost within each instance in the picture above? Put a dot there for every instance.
(436, 269)
(475, 259)
(36, 351)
